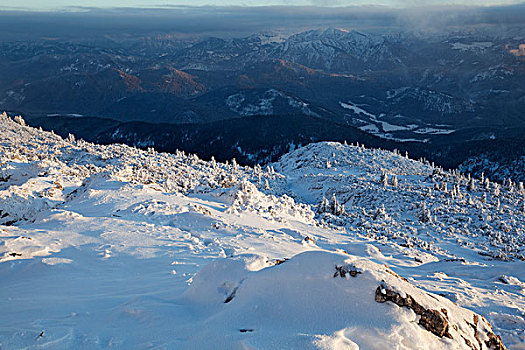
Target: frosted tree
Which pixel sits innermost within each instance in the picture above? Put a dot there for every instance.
(324, 206)
(20, 120)
(454, 192)
(194, 159)
(394, 181)
(384, 179)
(266, 185)
(471, 186)
(71, 138)
(496, 190)
(424, 214)
(458, 190)
(335, 207)
(380, 213)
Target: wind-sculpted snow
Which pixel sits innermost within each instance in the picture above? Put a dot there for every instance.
(292, 296)
(333, 247)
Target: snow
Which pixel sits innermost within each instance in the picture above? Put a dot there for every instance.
(354, 108)
(115, 247)
(374, 129)
(474, 46)
(263, 104)
(300, 286)
(370, 128)
(387, 127)
(434, 131)
(75, 115)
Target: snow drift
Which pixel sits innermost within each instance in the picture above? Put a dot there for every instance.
(335, 246)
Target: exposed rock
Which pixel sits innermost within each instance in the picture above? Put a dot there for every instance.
(342, 271)
(432, 320)
(437, 321)
(494, 342)
(280, 261)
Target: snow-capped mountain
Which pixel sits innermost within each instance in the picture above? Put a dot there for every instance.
(450, 98)
(333, 246)
(334, 50)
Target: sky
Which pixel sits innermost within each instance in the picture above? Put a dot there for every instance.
(61, 5)
(68, 19)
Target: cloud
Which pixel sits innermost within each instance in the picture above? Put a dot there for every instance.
(237, 21)
(60, 4)
(450, 18)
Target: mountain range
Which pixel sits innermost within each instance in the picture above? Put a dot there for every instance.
(449, 98)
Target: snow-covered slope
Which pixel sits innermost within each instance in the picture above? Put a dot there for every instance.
(334, 247)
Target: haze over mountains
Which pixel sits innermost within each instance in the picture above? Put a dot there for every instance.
(454, 96)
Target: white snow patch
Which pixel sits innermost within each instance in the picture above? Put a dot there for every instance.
(354, 108)
(474, 46)
(56, 261)
(434, 131)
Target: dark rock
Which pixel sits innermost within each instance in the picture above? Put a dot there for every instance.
(309, 239)
(433, 321)
(494, 342)
(280, 261)
(342, 271)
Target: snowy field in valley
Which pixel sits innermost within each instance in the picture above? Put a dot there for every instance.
(333, 247)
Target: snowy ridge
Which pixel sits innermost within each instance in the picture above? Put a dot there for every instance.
(176, 252)
(264, 104)
(424, 203)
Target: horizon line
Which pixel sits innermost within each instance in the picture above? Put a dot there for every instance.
(376, 7)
